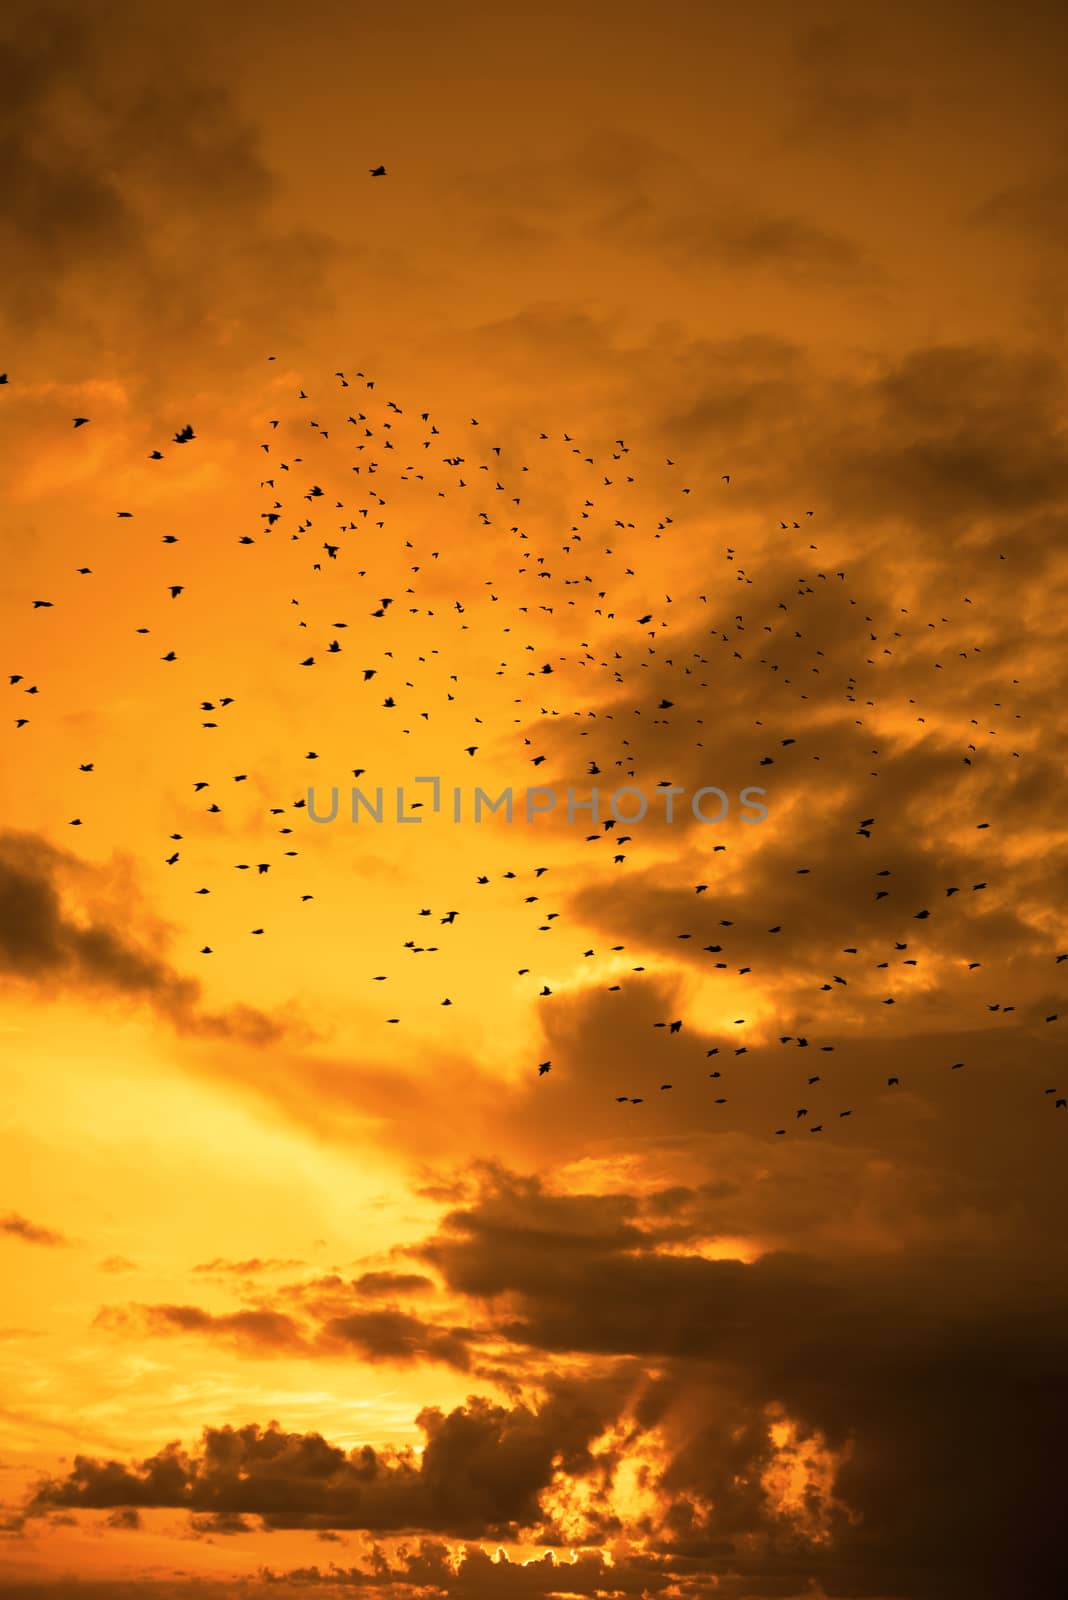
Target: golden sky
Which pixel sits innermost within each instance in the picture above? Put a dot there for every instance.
(684, 406)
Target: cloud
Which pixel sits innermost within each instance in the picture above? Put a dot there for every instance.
(908, 1368)
(378, 1335)
(386, 1334)
(262, 1330)
(731, 232)
(818, 1415)
(17, 1227)
(392, 1283)
(1038, 208)
(621, 189)
(109, 185)
(43, 940)
(478, 1574)
(480, 1472)
(138, 1588)
(841, 85)
(126, 1518)
(244, 1269)
(224, 1524)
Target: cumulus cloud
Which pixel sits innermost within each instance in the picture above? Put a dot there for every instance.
(480, 1472)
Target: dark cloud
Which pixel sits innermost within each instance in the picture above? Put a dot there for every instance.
(125, 1518)
(899, 1371)
(262, 1330)
(480, 1575)
(392, 1283)
(44, 941)
(731, 233)
(845, 85)
(623, 190)
(952, 438)
(17, 1227)
(481, 1471)
(377, 1334)
(912, 1369)
(116, 177)
(1038, 208)
(386, 1334)
(220, 1524)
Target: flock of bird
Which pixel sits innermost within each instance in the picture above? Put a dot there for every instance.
(597, 576)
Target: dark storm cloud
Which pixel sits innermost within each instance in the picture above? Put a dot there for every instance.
(427, 1566)
(44, 943)
(478, 1575)
(528, 1249)
(480, 1473)
(908, 1366)
(915, 1367)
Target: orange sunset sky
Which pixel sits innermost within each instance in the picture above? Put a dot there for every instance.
(492, 1210)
